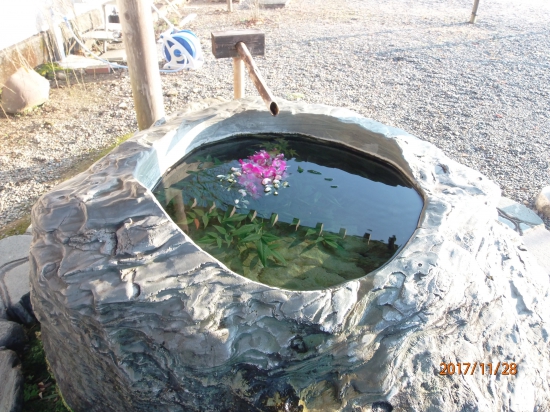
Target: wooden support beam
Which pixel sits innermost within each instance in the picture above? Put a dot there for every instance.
(137, 28)
(230, 6)
(474, 12)
(238, 78)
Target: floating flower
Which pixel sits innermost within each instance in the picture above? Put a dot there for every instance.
(259, 171)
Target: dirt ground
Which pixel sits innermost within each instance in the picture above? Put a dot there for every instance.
(414, 65)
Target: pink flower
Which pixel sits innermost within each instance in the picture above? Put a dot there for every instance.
(259, 167)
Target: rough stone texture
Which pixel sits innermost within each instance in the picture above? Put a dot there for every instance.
(136, 317)
(11, 382)
(24, 90)
(14, 279)
(542, 202)
(12, 335)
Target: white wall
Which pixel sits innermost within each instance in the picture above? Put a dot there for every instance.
(21, 19)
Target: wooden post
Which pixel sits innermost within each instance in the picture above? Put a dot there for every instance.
(238, 78)
(474, 12)
(257, 78)
(137, 28)
(230, 6)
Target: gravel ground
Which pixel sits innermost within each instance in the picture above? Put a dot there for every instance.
(479, 92)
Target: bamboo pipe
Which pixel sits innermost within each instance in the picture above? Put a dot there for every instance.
(257, 78)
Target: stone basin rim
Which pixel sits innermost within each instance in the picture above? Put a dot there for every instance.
(199, 141)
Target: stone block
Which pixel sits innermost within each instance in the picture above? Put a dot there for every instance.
(11, 382)
(542, 203)
(14, 248)
(12, 335)
(517, 216)
(14, 279)
(273, 4)
(24, 90)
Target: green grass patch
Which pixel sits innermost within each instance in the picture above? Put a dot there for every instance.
(104, 152)
(40, 393)
(16, 228)
(48, 69)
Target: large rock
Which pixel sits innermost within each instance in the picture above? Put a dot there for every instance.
(11, 382)
(542, 202)
(24, 90)
(135, 316)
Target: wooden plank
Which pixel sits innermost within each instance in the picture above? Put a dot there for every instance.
(139, 38)
(224, 42)
(258, 79)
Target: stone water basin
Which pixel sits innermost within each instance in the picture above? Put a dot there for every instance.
(135, 316)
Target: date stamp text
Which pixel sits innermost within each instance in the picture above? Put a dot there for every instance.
(465, 368)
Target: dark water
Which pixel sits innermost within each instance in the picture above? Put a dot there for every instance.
(334, 214)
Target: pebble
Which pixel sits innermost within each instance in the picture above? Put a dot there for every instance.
(390, 64)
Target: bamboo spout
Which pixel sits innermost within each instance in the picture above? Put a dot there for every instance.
(257, 78)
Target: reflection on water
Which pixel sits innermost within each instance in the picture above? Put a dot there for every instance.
(289, 211)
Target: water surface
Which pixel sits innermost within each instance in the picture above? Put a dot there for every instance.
(291, 212)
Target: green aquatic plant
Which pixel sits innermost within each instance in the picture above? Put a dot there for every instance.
(280, 145)
(243, 231)
(248, 232)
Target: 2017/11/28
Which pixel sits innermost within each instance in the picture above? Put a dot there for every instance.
(449, 368)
